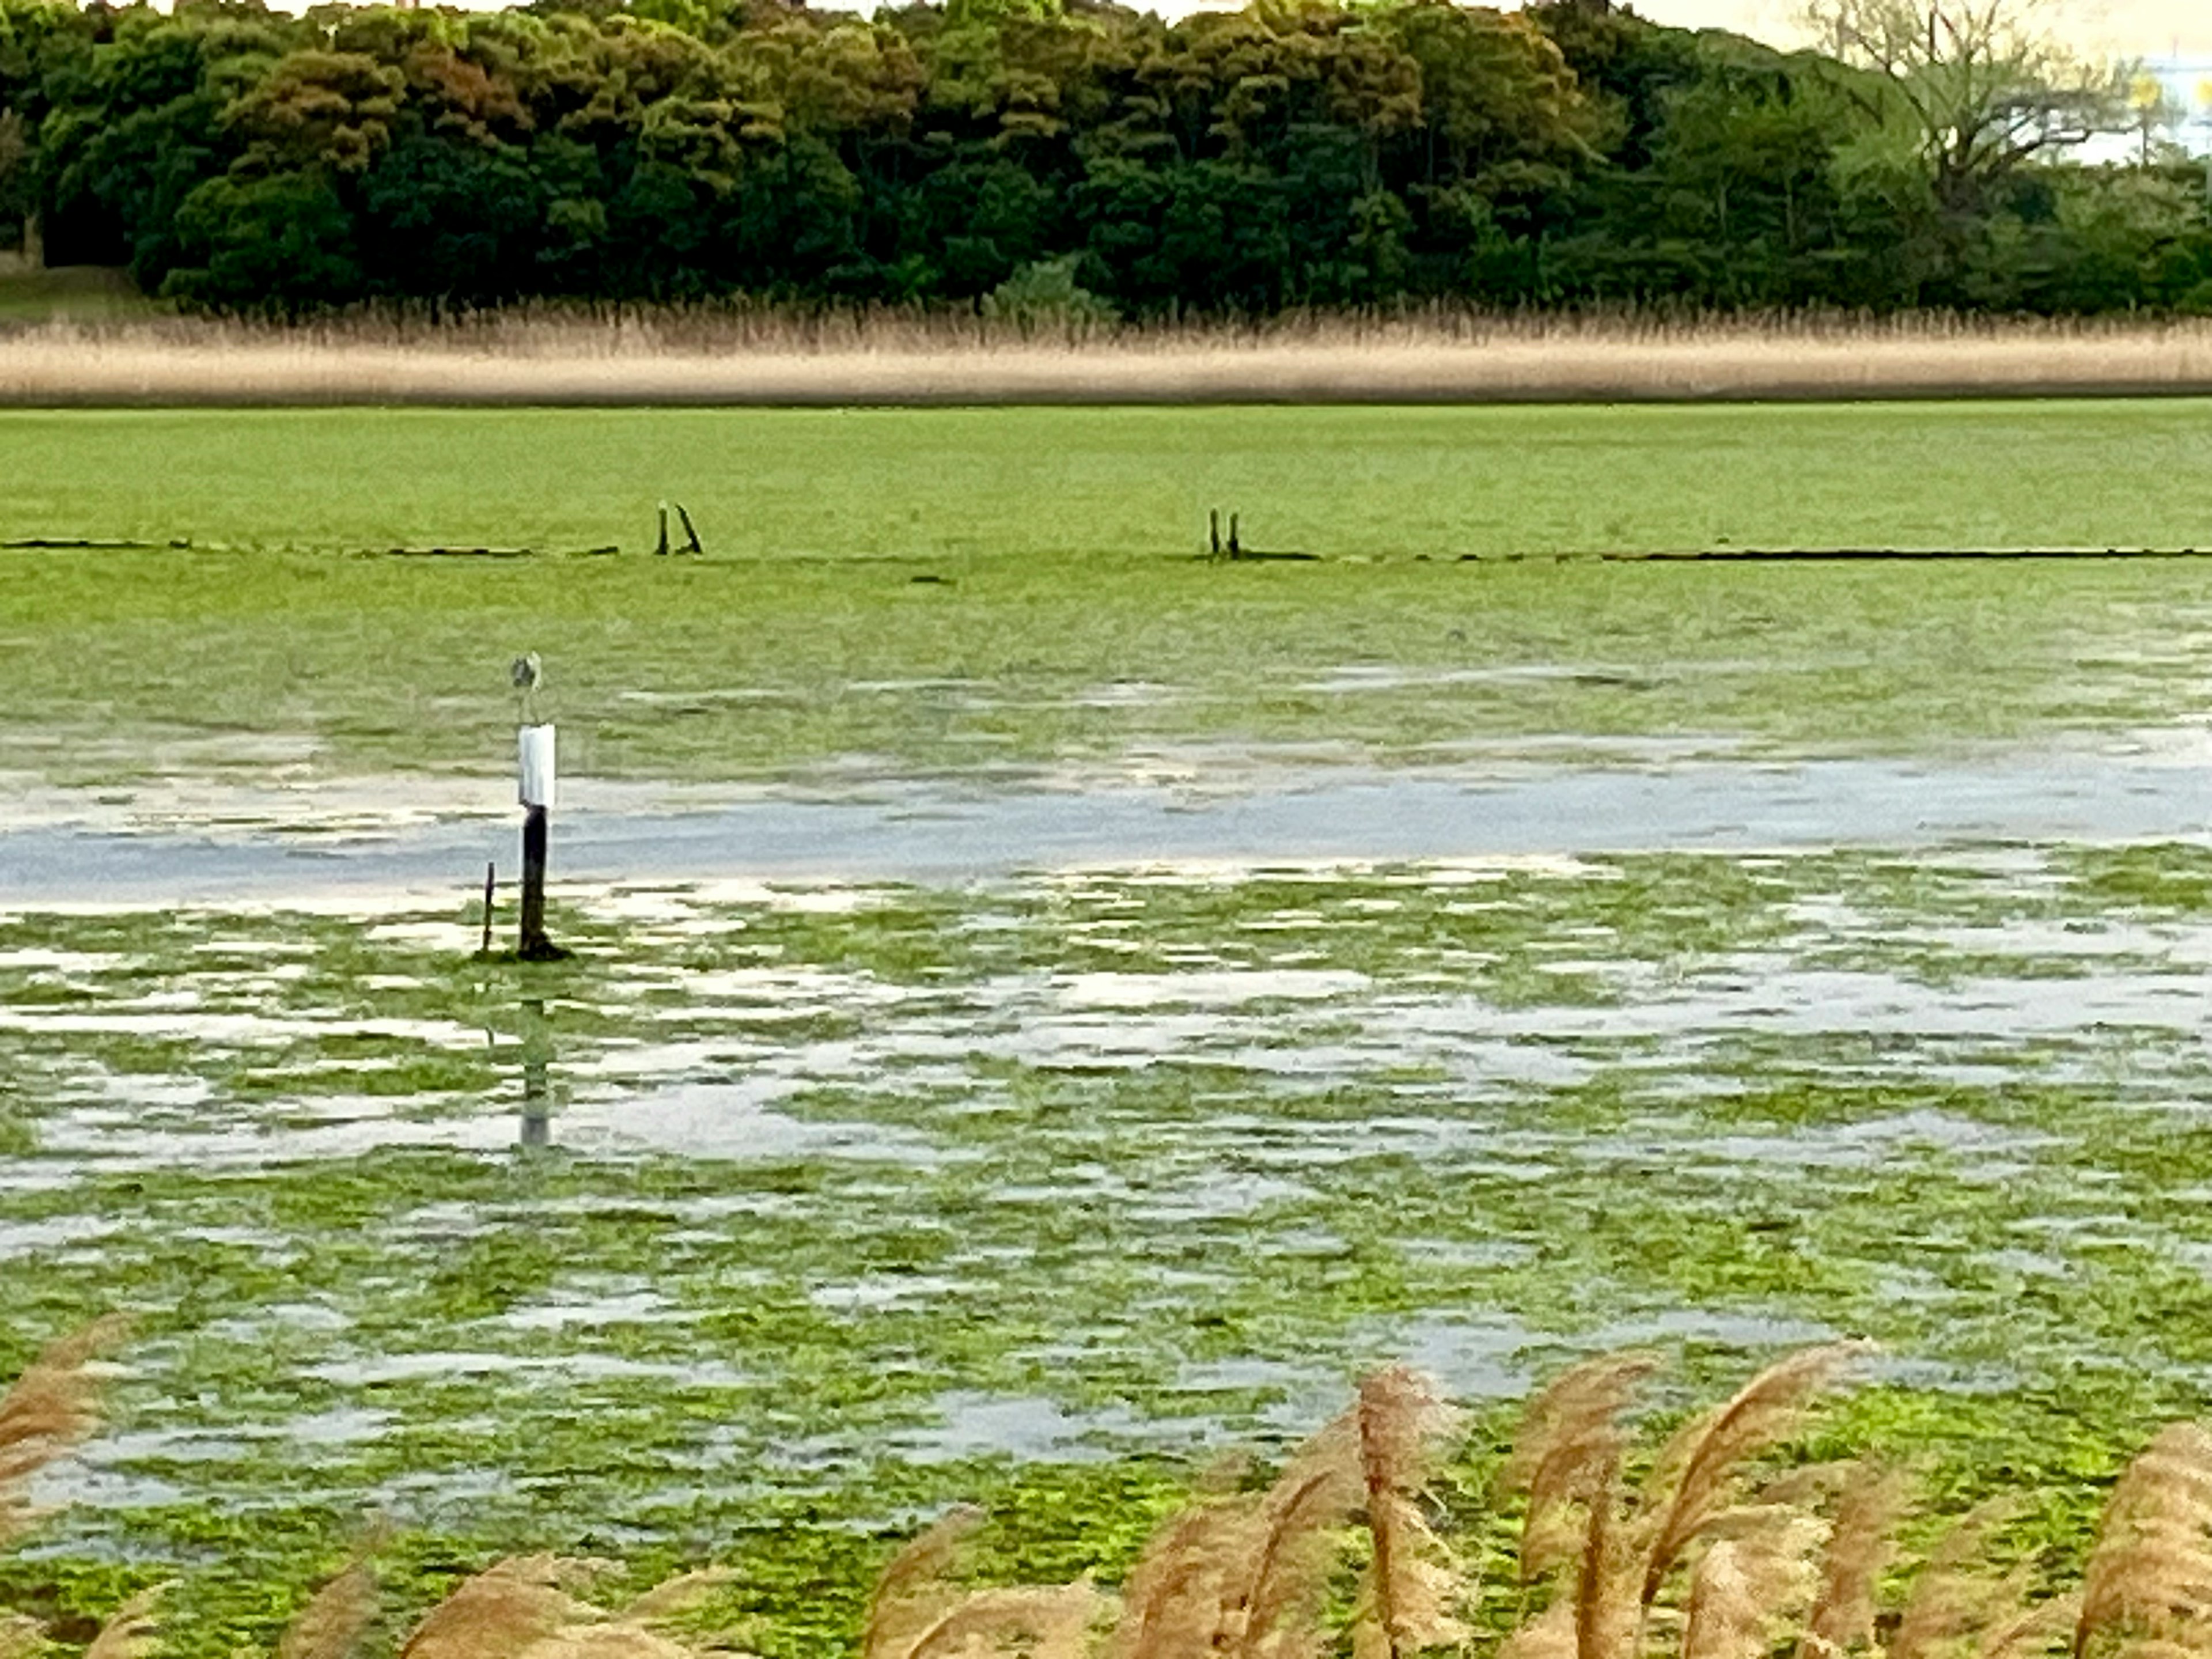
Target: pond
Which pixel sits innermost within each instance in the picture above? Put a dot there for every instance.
(1034, 1030)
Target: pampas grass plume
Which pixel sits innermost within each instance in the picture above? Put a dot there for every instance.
(336, 1617)
(1952, 1601)
(1861, 1542)
(505, 1609)
(2150, 1574)
(52, 1407)
(1568, 1436)
(1043, 1623)
(910, 1594)
(1172, 1599)
(1704, 1463)
(131, 1631)
(1410, 1598)
(1745, 1586)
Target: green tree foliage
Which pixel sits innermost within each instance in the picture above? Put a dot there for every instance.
(1061, 158)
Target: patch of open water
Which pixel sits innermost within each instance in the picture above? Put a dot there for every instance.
(918, 831)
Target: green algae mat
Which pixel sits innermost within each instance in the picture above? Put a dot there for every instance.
(787, 1213)
(969, 592)
(784, 1215)
(1334, 482)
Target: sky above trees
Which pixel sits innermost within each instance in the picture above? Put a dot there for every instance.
(2126, 28)
(2131, 28)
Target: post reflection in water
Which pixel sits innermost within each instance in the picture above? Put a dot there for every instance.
(537, 1063)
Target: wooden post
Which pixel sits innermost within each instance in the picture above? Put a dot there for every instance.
(535, 834)
(491, 881)
(1235, 551)
(1213, 531)
(663, 548)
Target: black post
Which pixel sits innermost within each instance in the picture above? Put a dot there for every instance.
(1213, 531)
(534, 945)
(1235, 551)
(491, 881)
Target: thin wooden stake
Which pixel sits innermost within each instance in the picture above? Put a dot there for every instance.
(1213, 531)
(491, 879)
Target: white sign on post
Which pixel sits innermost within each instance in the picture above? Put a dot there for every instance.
(535, 745)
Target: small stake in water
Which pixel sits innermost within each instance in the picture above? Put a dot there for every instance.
(534, 752)
(662, 550)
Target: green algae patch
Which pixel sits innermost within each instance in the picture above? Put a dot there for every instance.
(779, 1218)
(1071, 632)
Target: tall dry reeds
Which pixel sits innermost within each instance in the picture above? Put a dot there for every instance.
(337, 1616)
(1710, 1545)
(1749, 1559)
(529, 1608)
(739, 353)
(1714, 1543)
(2147, 1588)
(50, 1409)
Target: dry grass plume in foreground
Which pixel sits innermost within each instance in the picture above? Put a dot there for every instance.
(733, 355)
(1713, 1545)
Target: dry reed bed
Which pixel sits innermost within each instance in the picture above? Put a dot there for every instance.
(1715, 1544)
(738, 357)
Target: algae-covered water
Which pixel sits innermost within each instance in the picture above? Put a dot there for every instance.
(1036, 1028)
(786, 1213)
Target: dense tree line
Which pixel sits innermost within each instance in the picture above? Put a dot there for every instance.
(1324, 153)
